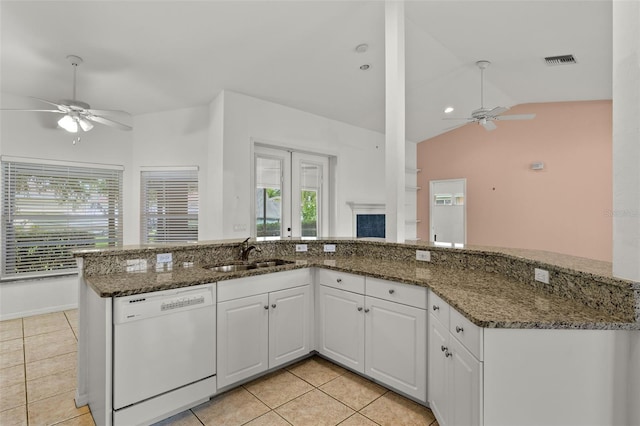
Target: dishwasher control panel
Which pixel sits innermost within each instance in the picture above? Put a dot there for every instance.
(149, 305)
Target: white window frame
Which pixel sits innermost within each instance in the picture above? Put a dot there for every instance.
(175, 177)
(69, 224)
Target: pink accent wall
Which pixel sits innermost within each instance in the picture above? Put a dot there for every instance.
(565, 208)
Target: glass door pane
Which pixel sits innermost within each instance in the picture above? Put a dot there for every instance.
(310, 211)
(268, 195)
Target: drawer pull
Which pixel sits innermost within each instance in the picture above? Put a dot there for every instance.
(366, 310)
(273, 306)
(339, 280)
(447, 354)
(391, 291)
(266, 306)
(359, 308)
(443, 348)
(436, 307)
(459, 329)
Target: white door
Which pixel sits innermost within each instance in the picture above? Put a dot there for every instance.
(291, 194)
(341, 331)
(289, 322)
(243, 346)
(309, 204)
(465, 378)
(396, 346)
(438, 370)
(447, 211)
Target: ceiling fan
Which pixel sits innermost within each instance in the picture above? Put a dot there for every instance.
(485, 116)
(78, 114)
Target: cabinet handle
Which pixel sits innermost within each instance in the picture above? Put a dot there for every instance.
(266, 306)
(339, 280)
(447, 354)
(273, 306)
(391, 291)
(459, 329)
(359, 308)
(436, 307)
(443, 348)
(366, 310)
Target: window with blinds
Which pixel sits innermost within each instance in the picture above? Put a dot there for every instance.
(50, 209)
(169, 206)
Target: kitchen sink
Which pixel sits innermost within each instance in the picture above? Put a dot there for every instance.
(244, 266)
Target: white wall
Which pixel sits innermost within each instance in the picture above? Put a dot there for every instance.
(359, 152)
(35, 135)
(164, 139)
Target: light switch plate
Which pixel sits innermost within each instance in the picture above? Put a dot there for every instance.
(423, 255)
(541, 275)
(301, 247)
(330, 248)
(164, 258)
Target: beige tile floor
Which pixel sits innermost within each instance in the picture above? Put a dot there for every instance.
(38, 378)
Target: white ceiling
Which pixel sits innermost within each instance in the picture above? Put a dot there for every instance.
(148, 56)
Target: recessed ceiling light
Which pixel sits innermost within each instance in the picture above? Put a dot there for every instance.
(361, 48)
(448, 110)
(365, 67)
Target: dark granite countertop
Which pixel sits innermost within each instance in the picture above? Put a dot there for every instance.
(488, 299)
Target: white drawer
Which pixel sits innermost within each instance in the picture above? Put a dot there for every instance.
(265, 283)
(407, 294)
(341, 280)
(439, 309)
(467, 333)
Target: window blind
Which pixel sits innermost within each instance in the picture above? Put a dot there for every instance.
(169, 206)
(50, 209)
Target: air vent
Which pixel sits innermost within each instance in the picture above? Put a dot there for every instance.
(560, 60)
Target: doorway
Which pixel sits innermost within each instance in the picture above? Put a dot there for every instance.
(291, 196)
(448, 211)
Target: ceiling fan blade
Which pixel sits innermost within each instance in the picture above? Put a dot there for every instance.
(33, 110)
(497, 111)
(516, 117)
(489, 125)
(108, 122)
(107, 112)
(61, 107)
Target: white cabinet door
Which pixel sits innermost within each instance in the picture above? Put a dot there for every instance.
(465, 392)
(437, 374)
(341, 334)
(243, 330)
(396, 346)
(289, 322)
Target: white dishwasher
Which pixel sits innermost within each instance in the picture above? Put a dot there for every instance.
(164, 353)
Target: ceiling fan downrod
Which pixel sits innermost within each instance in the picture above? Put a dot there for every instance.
(482, 65)
(75, 61)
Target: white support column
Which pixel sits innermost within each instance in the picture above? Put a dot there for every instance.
(626, 178)
(394, 121)
(626, 139)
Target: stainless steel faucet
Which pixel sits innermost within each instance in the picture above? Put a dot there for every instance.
(245, 249)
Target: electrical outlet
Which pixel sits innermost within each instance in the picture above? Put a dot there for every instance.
(423, 255)
(301, 247)
(330, 248)
(136, 265)
(164, 258)
(541, 275)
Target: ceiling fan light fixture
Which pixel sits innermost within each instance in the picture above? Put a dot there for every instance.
(68, 123)
(85, 124)
(448, 110)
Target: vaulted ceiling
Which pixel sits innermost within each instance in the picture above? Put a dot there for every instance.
(147, 56)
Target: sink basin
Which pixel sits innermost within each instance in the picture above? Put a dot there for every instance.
(232, 268)
(244, 266)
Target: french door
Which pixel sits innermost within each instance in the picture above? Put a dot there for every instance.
(291, 197)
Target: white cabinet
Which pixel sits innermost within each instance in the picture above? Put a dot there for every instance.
(262, 331)
(455, 373)
(396, 346)
(341, 334)
(383, 337)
